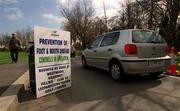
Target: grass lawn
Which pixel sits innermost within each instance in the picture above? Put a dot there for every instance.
(5, 57)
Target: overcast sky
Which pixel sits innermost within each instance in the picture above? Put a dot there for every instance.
(17, 14)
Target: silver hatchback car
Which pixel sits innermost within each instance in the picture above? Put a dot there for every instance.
(131, 51)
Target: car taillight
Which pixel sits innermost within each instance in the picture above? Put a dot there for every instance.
(168, 49)
(130, 49)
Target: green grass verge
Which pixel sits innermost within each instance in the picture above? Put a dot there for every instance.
(5, 57)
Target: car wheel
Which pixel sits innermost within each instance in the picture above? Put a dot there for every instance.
(117, 72)
(84, 63)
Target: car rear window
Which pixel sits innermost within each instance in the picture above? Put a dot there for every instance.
(142, 36)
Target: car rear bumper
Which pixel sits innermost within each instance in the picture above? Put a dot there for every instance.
(142, 66)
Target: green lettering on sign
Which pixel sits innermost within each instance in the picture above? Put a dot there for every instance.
(53, 59)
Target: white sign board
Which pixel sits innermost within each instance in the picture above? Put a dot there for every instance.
(52, 60)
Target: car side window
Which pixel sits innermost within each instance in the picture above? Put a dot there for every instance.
(115, 37)
(110, 39)
(96, 42)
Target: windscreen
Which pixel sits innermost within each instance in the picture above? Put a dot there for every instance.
(142, 36)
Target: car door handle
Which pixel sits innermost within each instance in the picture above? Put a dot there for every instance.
(95, 50)
(109, 49)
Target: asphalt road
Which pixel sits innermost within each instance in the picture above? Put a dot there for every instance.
(94, 90)
(10, 73)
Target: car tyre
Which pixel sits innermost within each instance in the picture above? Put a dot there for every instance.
(84, 63)
(117, 72)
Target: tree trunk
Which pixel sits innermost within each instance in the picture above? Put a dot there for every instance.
(171, 28)
(150, 23)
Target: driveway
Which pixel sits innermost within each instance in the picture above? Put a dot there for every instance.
(94, 90)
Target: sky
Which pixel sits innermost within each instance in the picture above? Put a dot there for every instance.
(18, 14)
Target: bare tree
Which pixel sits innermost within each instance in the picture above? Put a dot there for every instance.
(74, 37)
(98, 26)
(5, 40)
(24, 35)
(79, 18)
(105, 15)
(164, 13)
(173, 13)
(150, 14)
(131, 15)
(1, 41)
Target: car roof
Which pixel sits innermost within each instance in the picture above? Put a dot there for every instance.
(123, 30)
(136, 29)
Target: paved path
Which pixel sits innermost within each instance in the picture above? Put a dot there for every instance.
(10, 73)
(94, 90)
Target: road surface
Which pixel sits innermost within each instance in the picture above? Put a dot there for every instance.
(94, 90)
